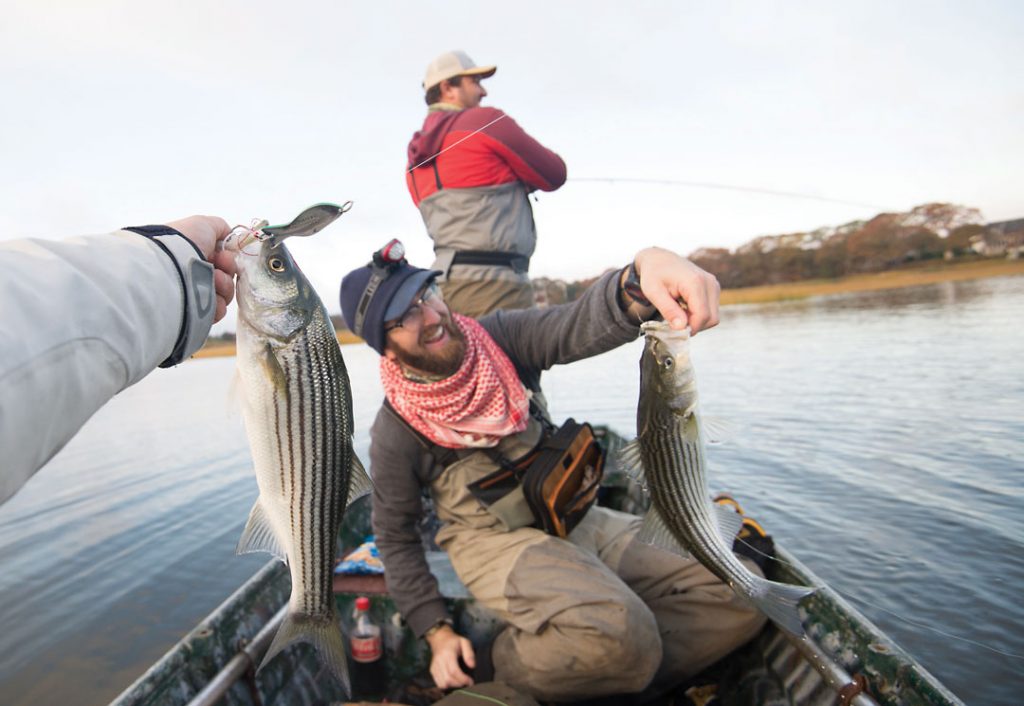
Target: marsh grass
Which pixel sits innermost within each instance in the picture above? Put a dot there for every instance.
(929, 273)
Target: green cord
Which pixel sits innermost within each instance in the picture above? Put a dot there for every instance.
(481, 696)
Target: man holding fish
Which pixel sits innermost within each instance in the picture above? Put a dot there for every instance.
(596, 613)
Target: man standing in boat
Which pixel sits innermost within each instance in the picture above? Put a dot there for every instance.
(592, 614)
(470, 171)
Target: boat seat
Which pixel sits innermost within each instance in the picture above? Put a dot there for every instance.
(440, 567)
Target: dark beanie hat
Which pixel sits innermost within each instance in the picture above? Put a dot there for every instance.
(396, 285)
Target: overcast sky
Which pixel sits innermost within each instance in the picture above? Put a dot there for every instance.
(129, 112)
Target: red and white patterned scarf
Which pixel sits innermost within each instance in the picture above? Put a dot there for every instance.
(476, 407)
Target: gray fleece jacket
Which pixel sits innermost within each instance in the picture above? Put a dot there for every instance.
(402, 469)
(82, 319)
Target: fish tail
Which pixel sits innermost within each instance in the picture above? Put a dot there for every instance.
(779, 602)
(325, 636)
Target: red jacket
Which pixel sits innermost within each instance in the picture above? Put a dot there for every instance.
(500, 153)
(471, 188)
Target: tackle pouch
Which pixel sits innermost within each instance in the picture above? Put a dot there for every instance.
(552, 487)
(562, 482)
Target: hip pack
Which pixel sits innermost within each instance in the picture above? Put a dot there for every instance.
(550, 488)
(562, 483)
(558, 481)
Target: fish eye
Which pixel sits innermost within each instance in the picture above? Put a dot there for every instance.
(668, 362)
(276, 264)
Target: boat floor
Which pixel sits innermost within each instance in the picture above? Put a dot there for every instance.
(745, 677)
(770, 671)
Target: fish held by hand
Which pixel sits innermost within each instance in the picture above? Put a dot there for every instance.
(667, 458)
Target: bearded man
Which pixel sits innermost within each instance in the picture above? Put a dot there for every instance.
(592, 614)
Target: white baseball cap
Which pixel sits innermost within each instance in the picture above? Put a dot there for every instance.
(452, 64)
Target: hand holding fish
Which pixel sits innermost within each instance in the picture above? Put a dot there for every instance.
(205, 232)
(666, 278)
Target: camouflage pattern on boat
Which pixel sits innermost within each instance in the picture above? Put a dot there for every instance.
(846, 659)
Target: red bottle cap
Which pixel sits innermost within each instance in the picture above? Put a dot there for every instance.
(362, 603)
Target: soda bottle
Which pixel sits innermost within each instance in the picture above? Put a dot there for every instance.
(369, 676)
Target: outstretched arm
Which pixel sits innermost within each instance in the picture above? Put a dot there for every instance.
(606, 316)
(84, 318)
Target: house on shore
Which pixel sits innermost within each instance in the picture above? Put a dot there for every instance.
(1001, 238)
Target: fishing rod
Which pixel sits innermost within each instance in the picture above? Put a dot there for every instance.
(669, 182)
(727, 187)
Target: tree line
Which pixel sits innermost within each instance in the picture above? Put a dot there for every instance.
(887, 241)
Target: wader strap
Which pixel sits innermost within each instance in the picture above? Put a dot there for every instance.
(512, 511)
(443, 456)
(517, 263)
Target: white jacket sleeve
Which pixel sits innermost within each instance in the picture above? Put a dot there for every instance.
(80, 320)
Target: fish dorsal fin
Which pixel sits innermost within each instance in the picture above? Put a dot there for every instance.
(258, 535)
(730, 522)
(359, 483)
(275, 373)
(655, 532)
(633, 463)
(716, 430)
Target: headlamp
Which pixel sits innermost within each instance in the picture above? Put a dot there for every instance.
(385, 261)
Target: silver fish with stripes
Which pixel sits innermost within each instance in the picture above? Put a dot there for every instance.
(667, 458)
(297, 406)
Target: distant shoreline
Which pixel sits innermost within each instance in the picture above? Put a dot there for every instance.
(925, 273)
(220, 350)
(930, 272)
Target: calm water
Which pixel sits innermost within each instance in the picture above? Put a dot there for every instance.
(881, 438)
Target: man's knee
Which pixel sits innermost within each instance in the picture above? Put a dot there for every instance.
(583, 652)
(622, 652)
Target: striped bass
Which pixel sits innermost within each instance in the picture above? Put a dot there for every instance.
(667, 458)
(297, 406)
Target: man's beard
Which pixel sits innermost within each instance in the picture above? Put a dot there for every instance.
(445, 362)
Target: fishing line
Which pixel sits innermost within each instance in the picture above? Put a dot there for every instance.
(850, 596)
(458, 142)
(672, 182)
(730, 187)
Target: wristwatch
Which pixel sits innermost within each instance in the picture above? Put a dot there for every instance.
(632, 300)
(632, 286)
(438, 625)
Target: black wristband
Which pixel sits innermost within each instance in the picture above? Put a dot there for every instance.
(198, 298)
(632, 287)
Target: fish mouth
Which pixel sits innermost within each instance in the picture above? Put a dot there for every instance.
(669, 368)
(665, 333)
(663, 338)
